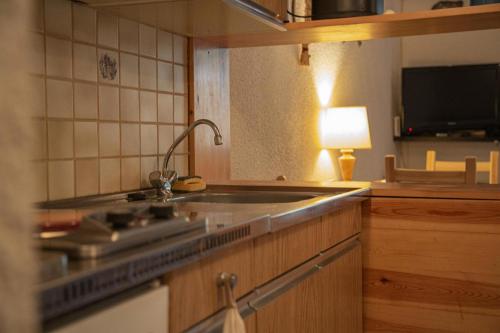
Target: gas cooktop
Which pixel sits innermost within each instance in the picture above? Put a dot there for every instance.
(108, 230)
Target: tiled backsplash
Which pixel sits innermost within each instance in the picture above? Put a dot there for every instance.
(111, 95)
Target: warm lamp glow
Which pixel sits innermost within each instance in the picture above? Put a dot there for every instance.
(345, 128)
(325, 89)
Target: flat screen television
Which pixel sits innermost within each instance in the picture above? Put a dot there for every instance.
(450, 99)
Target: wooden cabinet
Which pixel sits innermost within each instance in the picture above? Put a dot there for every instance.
(431, 265)
(328, 300)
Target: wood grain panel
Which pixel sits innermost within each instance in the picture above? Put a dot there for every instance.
(194, 294)
(328, 301)
(433, 263)
(279, 252)
(209, 98)
(340, 225)
(424, 289)
(403, 317)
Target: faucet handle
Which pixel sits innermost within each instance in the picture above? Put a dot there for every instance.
(156, 179)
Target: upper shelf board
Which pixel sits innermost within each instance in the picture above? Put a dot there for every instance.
(371, 27)
(195, 18)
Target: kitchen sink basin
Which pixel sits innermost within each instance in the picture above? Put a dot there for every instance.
(246, 197)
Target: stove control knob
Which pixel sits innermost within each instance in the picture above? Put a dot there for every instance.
(162, 211)
(120, 218)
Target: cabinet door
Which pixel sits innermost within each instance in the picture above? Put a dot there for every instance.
(328, 301)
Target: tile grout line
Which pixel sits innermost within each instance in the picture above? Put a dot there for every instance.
(46, 111)
(73, 100)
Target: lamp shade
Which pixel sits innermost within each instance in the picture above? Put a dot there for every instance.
(345, 128)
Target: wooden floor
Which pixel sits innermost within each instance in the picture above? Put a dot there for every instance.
(431, 265)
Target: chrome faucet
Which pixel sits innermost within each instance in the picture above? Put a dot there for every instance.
(165, 179)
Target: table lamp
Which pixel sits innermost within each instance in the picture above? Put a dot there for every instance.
(346, 128)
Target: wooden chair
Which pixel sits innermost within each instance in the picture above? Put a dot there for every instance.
(393, 174)
(490, 166)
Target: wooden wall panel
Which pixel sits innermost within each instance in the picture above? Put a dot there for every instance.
(431, 265)
(209, 98)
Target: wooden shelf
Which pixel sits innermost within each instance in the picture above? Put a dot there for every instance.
(444, 139)
(372, 27)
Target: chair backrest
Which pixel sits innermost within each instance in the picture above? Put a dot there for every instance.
(491, 166)
(393, 174)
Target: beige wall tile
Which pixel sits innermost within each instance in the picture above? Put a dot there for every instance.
(40, 174)
(180, 48)
(129, 35)
(109, 103)
(182, 148)
(61, 180)
(148, 165)
(109, 175)
(131, 173)
(179, 79)
(85, 100)
(180, 110)
(36, 63)
(148, 73)
(148, 106)
(130, 139)
(165, 108)
(87, 177)
(60, 142)
(85, 62)
(129, 104)
(86, 139)
(165, 45)
(84, 24)
(59, 99)
(58, 17)
(107, 30)
(149, 139)
(109, 139)
(37, 96)
(106, 155)
(165, 77)
(129, 70)
(59, 57)
(181, 165)
(108, 66)
(39, 139)
(165, 138)
(147, 40)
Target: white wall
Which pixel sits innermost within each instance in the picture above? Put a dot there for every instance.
(275, 107)
(473, 47)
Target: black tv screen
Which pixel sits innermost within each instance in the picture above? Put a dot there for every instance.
(446, 99)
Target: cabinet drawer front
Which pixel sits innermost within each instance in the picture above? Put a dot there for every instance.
(194, 293)
(281, 251)
(340, 225)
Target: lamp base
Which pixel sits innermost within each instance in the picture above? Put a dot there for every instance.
(346, 162)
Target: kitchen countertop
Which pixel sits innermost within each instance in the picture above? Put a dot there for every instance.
(236, 222)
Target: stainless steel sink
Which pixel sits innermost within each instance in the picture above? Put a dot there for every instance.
(246, 197)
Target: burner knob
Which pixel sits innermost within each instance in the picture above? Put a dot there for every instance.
(136, 196)
(120, 218)
(162, 212)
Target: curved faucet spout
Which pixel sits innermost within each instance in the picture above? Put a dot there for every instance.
(217, 140)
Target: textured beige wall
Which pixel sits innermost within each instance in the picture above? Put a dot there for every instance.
(473, 47)
(275, 107)
(17, 266)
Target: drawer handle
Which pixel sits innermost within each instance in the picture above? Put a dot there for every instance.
(233, 323)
